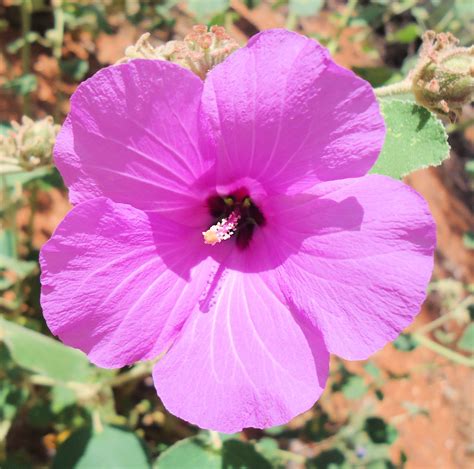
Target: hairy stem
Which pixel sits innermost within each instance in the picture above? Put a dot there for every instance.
(289, 456)
(333, 44)
(26, 9)
(401, 87)
(443, 351)
(97, 422)
(446, 317)
(31, 219)
(58, 46)
(216, 441)
(139, 371)
(291, 22)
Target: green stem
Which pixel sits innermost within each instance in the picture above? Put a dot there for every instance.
(97, 422)
(26, 9)
(31, 219)
(139, 371)
(58, 29)
(289, 456)
(401, 87)
(229, 20)
(333, 44)
(351, 6)
(216, 441)
(291, 22)
(443, 351)
(446, 317)
(58, 47)
(459, 126)
(9, 228)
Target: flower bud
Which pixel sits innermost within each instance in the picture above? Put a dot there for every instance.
(28, 145)
(200, 51)
(443, 80)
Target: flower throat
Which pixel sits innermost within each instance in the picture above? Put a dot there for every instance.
(235, 216)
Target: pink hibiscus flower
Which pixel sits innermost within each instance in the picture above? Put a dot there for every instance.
(232, 224)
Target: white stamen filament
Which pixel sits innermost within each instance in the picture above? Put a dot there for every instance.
(222, 230)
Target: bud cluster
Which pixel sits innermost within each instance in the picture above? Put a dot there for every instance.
(200, 51)
(443, 80)
(28, 145)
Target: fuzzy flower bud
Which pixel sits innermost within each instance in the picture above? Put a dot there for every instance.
(28, 145)
(443, 80)
(200, 51)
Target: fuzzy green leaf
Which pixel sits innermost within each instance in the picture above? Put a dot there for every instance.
(355, 387)
(415, 139)
(207, 8)
(379, 431)
(197, 452)
(40, 354)
(467, 339)
(111, 448)
(405, 343)
(305, 7)
(22, 85)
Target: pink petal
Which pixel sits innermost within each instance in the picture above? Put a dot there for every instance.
(243, 361)
(119, 284)
(132, 136)
(356, 258)
(281, 112)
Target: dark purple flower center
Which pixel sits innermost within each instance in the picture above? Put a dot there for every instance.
(239, 205)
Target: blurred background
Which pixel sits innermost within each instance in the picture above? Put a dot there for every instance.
(411, 405)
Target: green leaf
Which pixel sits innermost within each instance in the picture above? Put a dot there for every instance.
(11, 398)
(112, 448)
(469, 167)
(74, 68)
(21, 268)
(207, 8)
(7, 243)
(354, 387)
(190, 453)
(329, 459)
(22, 85)
(305, 7)
(378, 76)
(415, 409)
(14, 46)
(25, 177)
(381, 464)
(379, 431)
(5, 127)
(405, 343)
(466, 342)
(197, 453)
(372, 369)
(269, 448)
(463, 10)
(468, 239)
(61, 397)
(275, 430)
(444, 337)
(40, 415)
(405, 35)
(415, 139)
(403, 458)
(379, 394)
(237, 454)
(40, 354)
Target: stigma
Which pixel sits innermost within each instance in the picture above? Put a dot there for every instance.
(222, 230)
